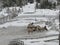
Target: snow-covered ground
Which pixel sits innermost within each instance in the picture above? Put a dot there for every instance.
(18, 33)
(37, 21)
(29, 8)
(41, 41)
(16, 28)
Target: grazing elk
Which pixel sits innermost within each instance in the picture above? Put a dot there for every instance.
(38, 28)
(31, 28)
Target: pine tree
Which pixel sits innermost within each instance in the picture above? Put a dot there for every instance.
(8, 3)
(54, 5)
(58, 0)
(46, 4)
(49, 5)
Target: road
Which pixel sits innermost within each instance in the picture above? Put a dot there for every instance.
(6, 35)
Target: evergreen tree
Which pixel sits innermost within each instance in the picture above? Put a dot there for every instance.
(54, 5)
(46, 4)
(58, 0)
(49, 5)
(8, 3)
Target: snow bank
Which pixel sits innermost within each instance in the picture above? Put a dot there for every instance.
(40, 41)
(46, 12)
(29, 8)
(43, 43)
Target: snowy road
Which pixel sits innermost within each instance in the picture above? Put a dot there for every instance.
(6, 39)
(6, 35)
(17, 29)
